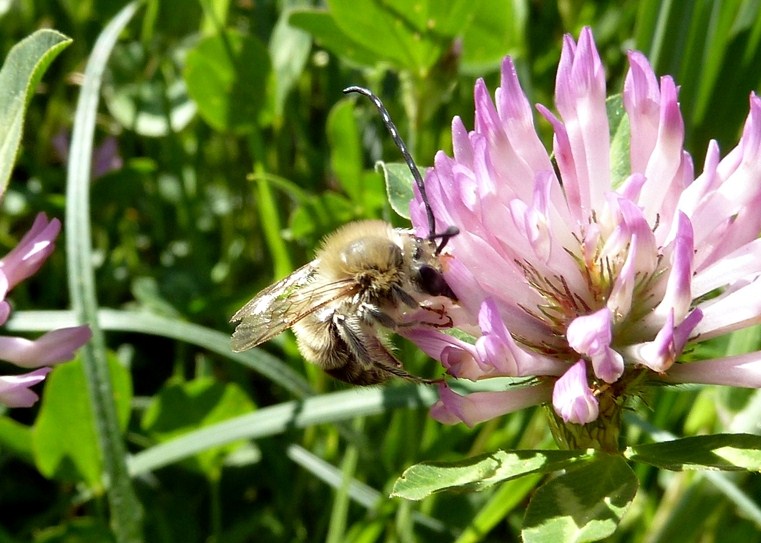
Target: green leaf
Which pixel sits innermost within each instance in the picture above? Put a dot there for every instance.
(16, 438)
(480, 472)
(22, 70)
(181, 407)
(498, 29)
(320, 24)
(64, 437)
(729, 452)
(227, 77)
(385, 31)
(399, 180)
(442, 18)
(152, 105)
(584, 504)
(620, 140)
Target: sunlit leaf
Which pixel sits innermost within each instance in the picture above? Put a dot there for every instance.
(731, 452)
(22, 70)
(498, 28)
(320, 24)
(481, 471)
(443, 18)
(399, 182)
(584, 504)
(385, 31)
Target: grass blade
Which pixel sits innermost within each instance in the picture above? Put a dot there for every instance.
(126, 509)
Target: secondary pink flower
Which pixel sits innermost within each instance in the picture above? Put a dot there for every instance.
(14, 389)
(51, 348)
(28, 256)
(591, 265)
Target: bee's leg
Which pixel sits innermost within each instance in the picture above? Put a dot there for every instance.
(442, 315)
(372, 314)
(405, 297)
(370, 352)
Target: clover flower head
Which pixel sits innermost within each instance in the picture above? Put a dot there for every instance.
(586, 269)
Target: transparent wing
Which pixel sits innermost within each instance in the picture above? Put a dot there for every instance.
(280, 306)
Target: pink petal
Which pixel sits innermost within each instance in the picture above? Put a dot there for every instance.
(580, 99)
(458, 357)
(590, 334)
(738, 371)
(480, 406)
(31, 252)
(14, 389)
(608, 365)
(678, 295)
(742, 264)
(664, 163)
(621, 295)
(515, 113)
(5, 311)
(735, 309)
(659, 354)
(498, 351)
(572, 398)
(566, 165)
(51, 348)
(642, 98)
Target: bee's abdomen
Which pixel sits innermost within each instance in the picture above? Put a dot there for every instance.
(321, 343)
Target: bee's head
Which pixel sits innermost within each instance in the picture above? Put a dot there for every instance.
(426, 269)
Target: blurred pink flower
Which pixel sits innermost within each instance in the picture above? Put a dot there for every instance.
(105, 157)
(585, 268)
(14, 389)
(51, 348)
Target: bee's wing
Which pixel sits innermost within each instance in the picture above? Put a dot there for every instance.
(283, 304)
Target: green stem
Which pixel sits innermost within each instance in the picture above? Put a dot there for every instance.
(126, 510)
(267, 206)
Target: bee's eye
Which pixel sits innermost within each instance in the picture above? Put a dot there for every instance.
(432, 281)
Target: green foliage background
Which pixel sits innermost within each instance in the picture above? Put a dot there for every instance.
(238, 152)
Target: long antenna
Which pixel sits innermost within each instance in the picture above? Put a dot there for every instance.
(452, 230)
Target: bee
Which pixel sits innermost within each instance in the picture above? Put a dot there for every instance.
(367, 278)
